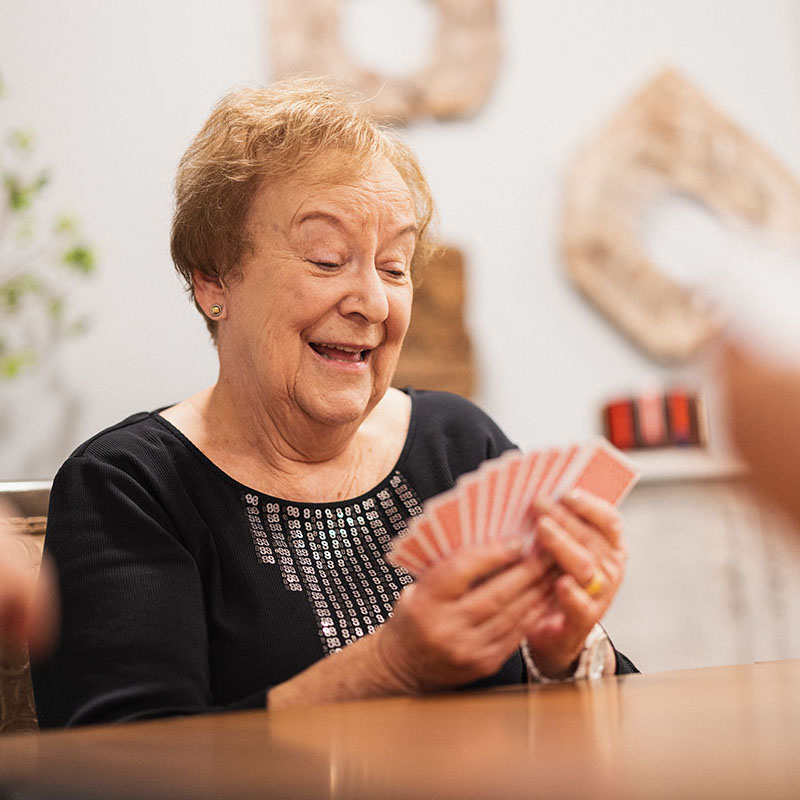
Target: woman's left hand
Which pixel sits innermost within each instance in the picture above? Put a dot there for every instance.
(582, 536)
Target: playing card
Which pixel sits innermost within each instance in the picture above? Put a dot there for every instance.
(426, 534)
(468, 487)
(417, 545)
(539, 475)
(445, 518)
(539, 467)
(557, 468)
(517, 467)
(493, 502)
(530, 466)
(508, 465)
(601, 469)
(407, 552)
(401, 559)
(491, 473)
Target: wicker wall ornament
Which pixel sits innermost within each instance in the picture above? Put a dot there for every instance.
(306, 38)
(437, 353)
(669, 139)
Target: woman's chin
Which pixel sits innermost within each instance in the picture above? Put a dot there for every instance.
(338, 408)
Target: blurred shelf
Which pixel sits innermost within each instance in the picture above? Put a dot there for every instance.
(677, 464)
(27, 498)
(14, 487)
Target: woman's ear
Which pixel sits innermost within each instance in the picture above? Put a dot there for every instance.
(209, 293)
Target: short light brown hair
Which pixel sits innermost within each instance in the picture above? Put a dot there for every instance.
(255, 134)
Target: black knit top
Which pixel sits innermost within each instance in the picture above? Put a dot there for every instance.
(184, 591)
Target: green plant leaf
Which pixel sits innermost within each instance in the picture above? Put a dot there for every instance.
(78, 327)
(33, 315)
(55, 308)
(26, 229)
(12, 364)
(17, 199)
(21, 195)
(22, 140)
(80, 258)
(65, 224)
(12, 292)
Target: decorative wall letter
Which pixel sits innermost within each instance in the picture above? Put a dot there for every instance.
(668, 140)
(455, 81)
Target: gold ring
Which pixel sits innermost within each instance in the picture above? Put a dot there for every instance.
(596, 584)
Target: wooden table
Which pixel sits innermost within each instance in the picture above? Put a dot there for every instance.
(724, 732)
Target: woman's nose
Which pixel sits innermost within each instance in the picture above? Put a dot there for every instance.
(366, 296)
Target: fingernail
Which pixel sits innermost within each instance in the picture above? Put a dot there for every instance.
(576, 494)
(546, 523)
(540, 506)
(515, 546)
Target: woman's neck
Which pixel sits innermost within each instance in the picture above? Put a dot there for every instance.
(282, 434)
(294, 457)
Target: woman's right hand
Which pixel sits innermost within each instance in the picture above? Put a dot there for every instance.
(463, 618)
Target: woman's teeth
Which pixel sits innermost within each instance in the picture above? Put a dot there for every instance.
(337, 352)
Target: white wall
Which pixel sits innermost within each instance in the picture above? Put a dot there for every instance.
(116, 90)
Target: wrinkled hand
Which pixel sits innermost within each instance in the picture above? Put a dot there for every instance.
(581, 536)
(463, 618)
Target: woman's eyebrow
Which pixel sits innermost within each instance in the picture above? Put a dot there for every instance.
(333, 219)
(412, 228)
(325, 216)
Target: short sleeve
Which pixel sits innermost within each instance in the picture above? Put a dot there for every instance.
(134, 641)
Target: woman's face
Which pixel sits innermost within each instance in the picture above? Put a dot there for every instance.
(317, 319)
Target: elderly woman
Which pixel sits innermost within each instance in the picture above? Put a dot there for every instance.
(228, 552)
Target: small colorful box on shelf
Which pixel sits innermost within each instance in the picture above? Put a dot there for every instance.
(674, 418)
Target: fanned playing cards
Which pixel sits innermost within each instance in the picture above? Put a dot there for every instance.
(492, 502)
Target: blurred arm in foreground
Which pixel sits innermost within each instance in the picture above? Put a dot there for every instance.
(28, 602)
(762, 400)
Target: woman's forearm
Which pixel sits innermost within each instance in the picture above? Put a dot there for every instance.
(359, 671)
(459, 622)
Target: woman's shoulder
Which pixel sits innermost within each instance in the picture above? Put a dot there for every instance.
(143, 441)
(130, 431)
(451, 412)
(141, 456)
(449, 435)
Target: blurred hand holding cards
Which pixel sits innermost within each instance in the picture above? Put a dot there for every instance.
(759, 295)
(747, 279)
(493, 503)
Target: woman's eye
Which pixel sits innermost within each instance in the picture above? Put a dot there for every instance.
(326, 264)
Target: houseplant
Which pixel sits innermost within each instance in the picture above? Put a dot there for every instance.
(41, 255)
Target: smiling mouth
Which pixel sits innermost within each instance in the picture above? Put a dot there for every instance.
(340, 352)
